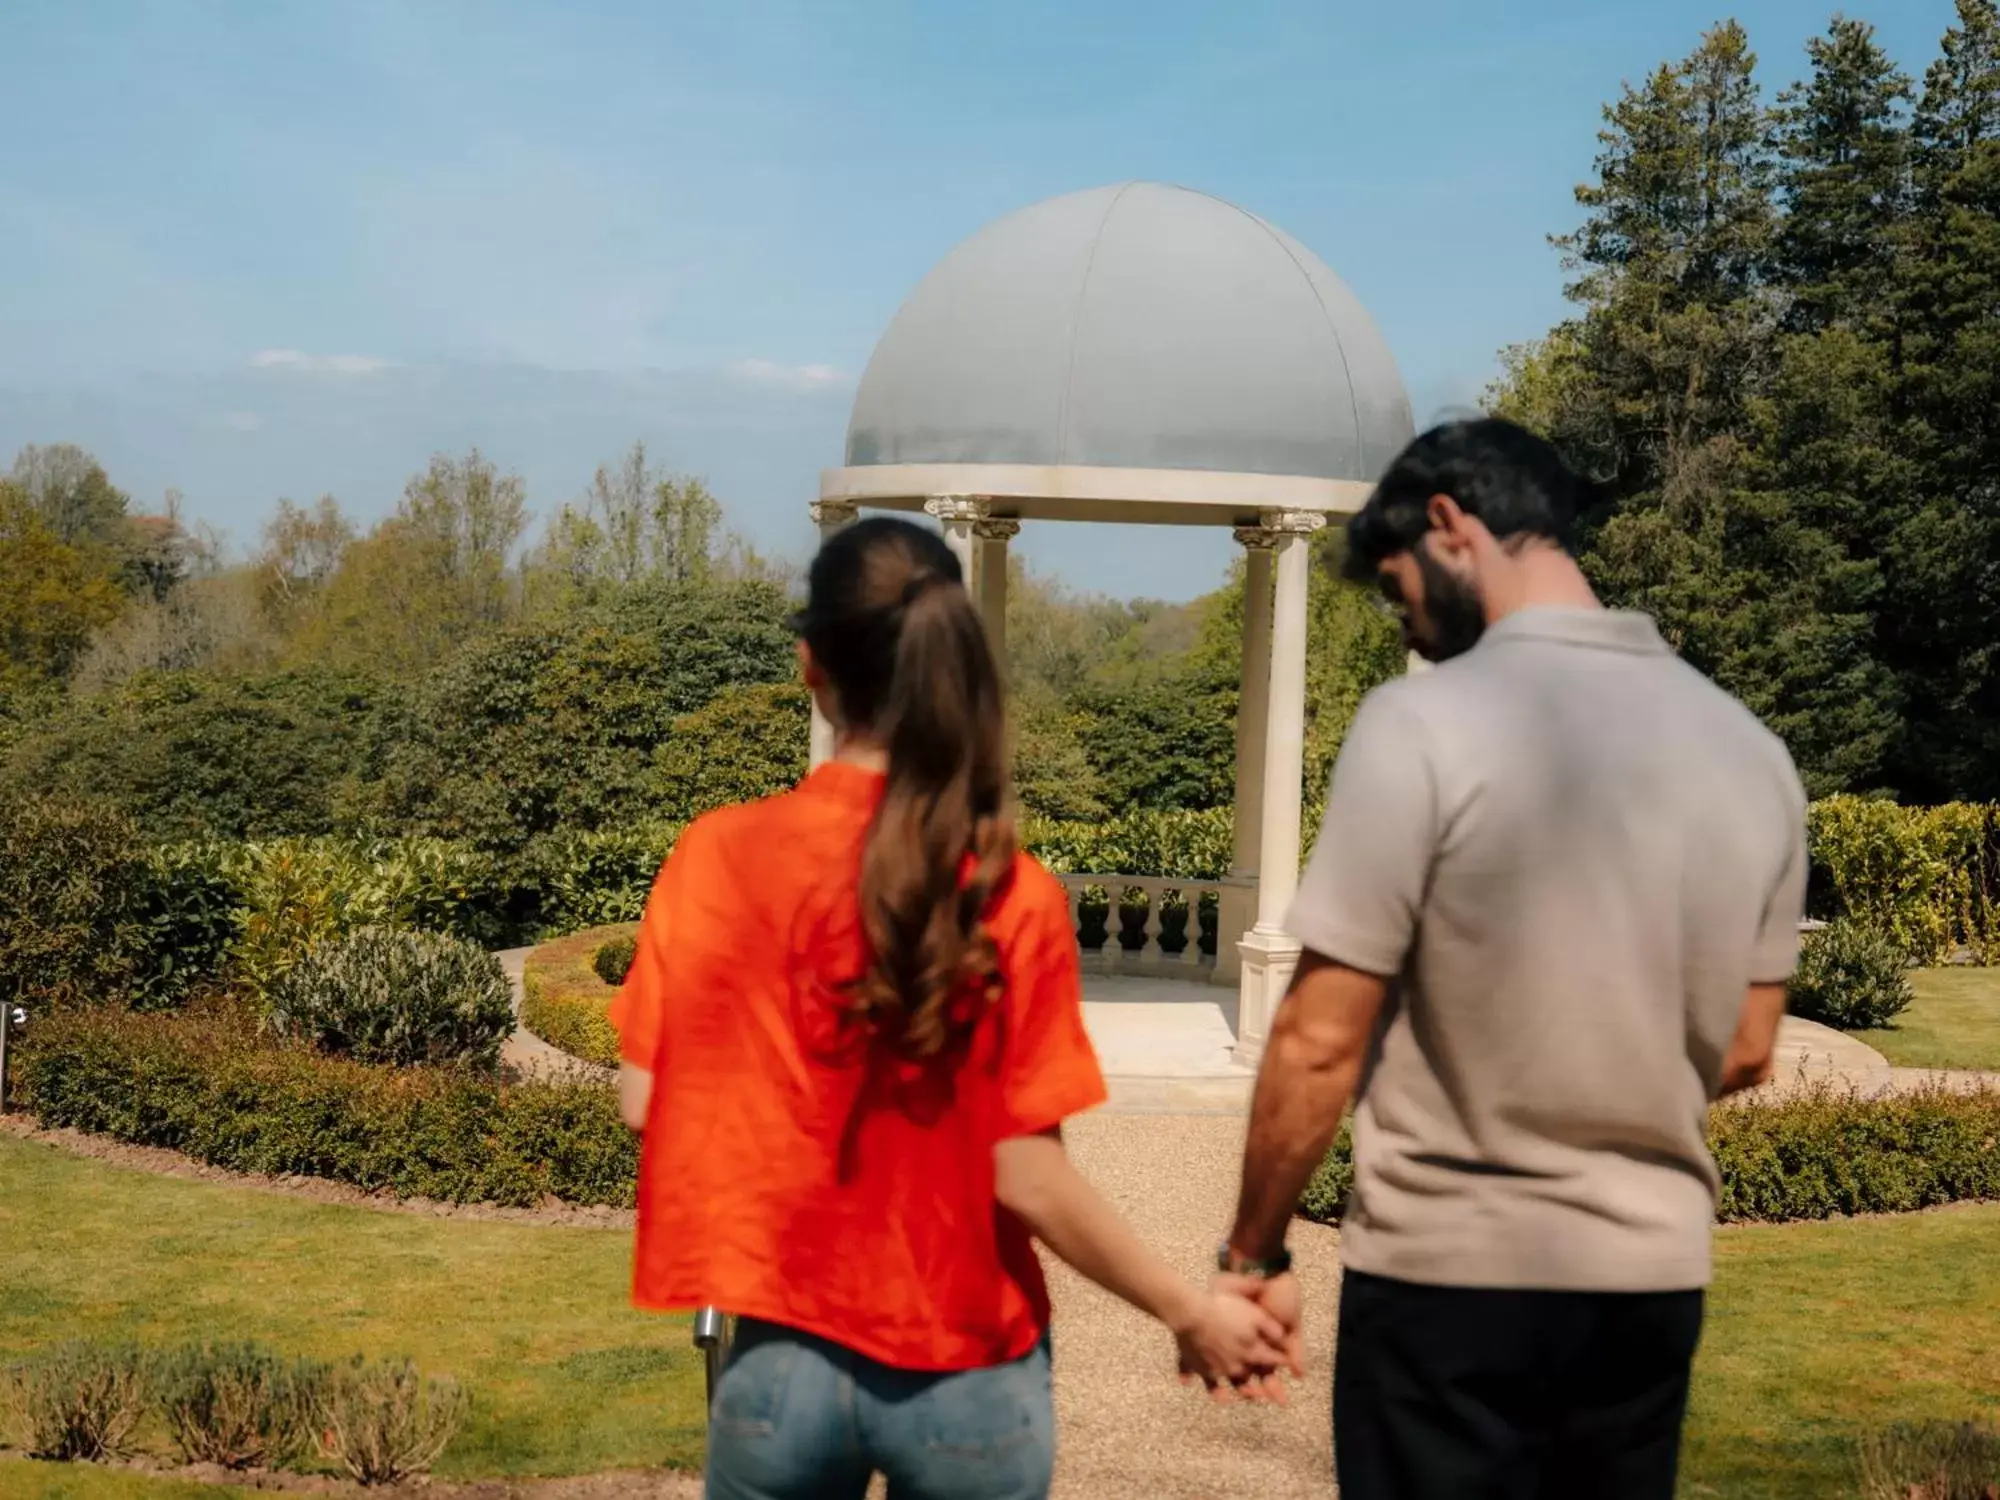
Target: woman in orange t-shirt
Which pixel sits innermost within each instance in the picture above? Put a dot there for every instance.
(851, 1033)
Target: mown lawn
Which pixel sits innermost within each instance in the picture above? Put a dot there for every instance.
(565, 1377)
(1819, 1331)
(1816, 1331)
(1954, 1022)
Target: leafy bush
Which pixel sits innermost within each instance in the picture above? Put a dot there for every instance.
(81, 1400)
(1926, 877)
(1188, 845)
(1815, 1154)
(552, 726)
(613, 959)
(294, 894)
(747, 742)
(596, 879)
(190, 755)
(206, 1082)
(71, 879)
(385, 1422)
(385, 996)
(565, 994)
(1851, 977)
(1929, 1461)
(189, 913)
(237, 1405)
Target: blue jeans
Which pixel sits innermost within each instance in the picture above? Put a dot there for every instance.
(798, 1416)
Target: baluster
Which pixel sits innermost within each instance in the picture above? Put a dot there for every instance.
(1149, 930)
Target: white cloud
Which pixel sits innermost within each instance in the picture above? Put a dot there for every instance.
(319, 364)
(790, 377)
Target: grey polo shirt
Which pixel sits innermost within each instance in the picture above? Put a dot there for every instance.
(1574, 854)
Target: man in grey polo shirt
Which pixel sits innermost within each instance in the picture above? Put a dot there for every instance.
(1549, 918)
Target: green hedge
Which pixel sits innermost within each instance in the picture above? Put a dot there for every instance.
(206, 1083)
(564, 999)
(1189, 845)
(1926, 877)
(1817, 1154)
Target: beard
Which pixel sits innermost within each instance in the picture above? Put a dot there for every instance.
(1453, 611)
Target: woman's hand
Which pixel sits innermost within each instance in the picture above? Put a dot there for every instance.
(1233, 1346)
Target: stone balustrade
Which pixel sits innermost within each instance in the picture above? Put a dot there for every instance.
(1160, 927)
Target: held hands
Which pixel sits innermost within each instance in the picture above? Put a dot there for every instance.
(1240, 1334)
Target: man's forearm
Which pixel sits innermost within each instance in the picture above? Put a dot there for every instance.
(1302, 1091)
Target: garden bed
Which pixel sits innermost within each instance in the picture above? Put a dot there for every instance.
(209, 1084)
(565, 999)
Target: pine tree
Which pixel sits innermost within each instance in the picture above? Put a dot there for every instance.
(1844, 139)
(1678, 228)
(1942, 560)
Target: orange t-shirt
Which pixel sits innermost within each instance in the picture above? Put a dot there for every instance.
(794, 1173)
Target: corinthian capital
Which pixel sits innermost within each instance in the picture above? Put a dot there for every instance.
(960, 508)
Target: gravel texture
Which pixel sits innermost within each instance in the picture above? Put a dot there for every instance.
(1126, 1426)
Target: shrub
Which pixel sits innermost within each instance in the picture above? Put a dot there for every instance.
(565, 994)
(596, 879)
(237, 1405)
(1929, 1461)
(205, 1082)
(745, 743)
(1850, 976)
(613, 959)
(1815, 1154)
(190, 755)
(72, 875)
(531, 731)
(385, 1422)
(189, 917)
(1188, 845)
(386, 996)
(81, 1400)
(1928, 878)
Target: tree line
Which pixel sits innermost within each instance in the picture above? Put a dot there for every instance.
(431, 675)
(1784, 369)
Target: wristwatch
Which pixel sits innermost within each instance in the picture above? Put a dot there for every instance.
(1227, 1260)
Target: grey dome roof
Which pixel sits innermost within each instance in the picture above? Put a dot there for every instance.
(1134, 326)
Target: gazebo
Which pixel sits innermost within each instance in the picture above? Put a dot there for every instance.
(1144, 354)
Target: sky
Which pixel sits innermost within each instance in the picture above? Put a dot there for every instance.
(264, 248)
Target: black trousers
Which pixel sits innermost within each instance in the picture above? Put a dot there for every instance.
(1450, 1393)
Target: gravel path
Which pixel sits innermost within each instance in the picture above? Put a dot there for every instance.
(1126, 1427)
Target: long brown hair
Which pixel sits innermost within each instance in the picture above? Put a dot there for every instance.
(905, 653)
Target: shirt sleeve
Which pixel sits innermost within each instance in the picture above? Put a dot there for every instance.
(1359, 900)
(1777, 951)
(639, 1011)
(1049, 1068)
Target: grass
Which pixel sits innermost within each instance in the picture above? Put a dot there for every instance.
(565, 1376)
(1953, 1023)
(1818, 1332)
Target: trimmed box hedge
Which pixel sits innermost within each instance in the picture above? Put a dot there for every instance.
(207, 1083)
(564, 1000)
(1819, 1153)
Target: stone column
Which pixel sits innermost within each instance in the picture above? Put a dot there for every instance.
(1269, 953)
(829, 516)
(993, 537)
(958, 514)
(1238, 907)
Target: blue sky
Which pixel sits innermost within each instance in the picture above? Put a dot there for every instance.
(263, 249)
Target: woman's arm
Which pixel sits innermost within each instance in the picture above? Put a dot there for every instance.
(1225, 1339)
(635, 1095)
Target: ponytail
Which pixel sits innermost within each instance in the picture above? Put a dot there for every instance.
(942, 842)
